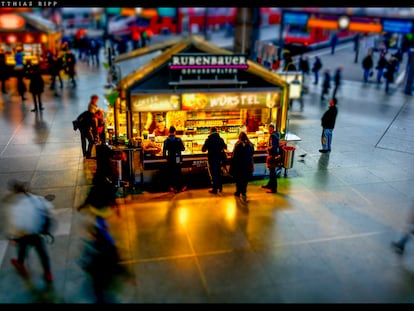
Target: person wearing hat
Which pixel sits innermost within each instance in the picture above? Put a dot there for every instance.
(172, 149)
(328, 124)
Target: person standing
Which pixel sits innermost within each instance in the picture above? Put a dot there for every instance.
(367, 64)
(333, 42)
(316, 67)
(273, 149)
(36, 87)
(304, 66)
(242, 165)
(389, 74)
(172, 148)
(70, 66)
(25, 220)
(55, 67)
(381, 65)
(326, 85)
(88, 127)
(215, 145)
(4, 71)
(328, 124)
(337, 80)
(100, 125)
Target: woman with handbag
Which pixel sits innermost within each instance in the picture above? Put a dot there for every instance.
(242, 165)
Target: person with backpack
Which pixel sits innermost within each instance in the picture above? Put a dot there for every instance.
(29, 220)
(87, 125)
(172, 148)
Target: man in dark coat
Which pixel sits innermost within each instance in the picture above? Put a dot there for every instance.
(4, 71)
(173, 146)
(273, 149)
(215, 145)
(328, 124)
(326, 85)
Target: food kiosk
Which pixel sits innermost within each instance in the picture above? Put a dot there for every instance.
(32, 34)
(195, 85)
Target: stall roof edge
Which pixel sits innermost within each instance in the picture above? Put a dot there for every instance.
(178, 45)
(39, 22)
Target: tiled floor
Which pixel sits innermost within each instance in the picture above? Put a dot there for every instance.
(324, 238)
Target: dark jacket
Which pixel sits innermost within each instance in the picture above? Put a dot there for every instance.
(87, 122)
(329, 117)
(214, 144)
(317, 65)
(37, 84)
(367, 62)
(241, 165)
(173, 146)
(273, 144)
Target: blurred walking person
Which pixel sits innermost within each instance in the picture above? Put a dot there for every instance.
(316, 67)
(55, 67)
(326, 84)
(381, 65)
(242, 165)
(337, 80)
(25, 221)
(215, 146)
(70, 66)
(399, 246)
(100, 259)
(389, 74)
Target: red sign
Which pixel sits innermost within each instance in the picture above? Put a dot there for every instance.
(11, 21)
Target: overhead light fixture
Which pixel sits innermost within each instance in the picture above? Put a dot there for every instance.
(343, 22)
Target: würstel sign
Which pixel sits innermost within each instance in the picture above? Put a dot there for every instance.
(218, 66)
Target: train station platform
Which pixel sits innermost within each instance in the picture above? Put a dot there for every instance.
(323, 238)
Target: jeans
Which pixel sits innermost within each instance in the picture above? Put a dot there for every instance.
(326, 139)
(38, 242)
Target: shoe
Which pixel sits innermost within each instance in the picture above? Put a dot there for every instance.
(20, 268)
(323, 151)
(33, 110)
(398, 248)
(41, 108)
(213, 191)
(265, 187)
(244, 198)
(48, 277)
(271, 191)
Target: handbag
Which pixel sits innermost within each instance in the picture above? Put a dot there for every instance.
(273, 161)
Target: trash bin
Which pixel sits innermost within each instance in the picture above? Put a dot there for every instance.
(288, 155)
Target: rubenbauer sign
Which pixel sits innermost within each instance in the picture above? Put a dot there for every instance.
(208, 64)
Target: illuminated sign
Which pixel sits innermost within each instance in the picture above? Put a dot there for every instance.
(397, 26)
(11, 21)
(155, 102)
(208, 63)
(224, 101)
(295, 18)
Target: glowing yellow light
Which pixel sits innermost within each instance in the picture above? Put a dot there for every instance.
(43, 38)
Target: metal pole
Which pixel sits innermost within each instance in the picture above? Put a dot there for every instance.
(244, 30)
(281, 30)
